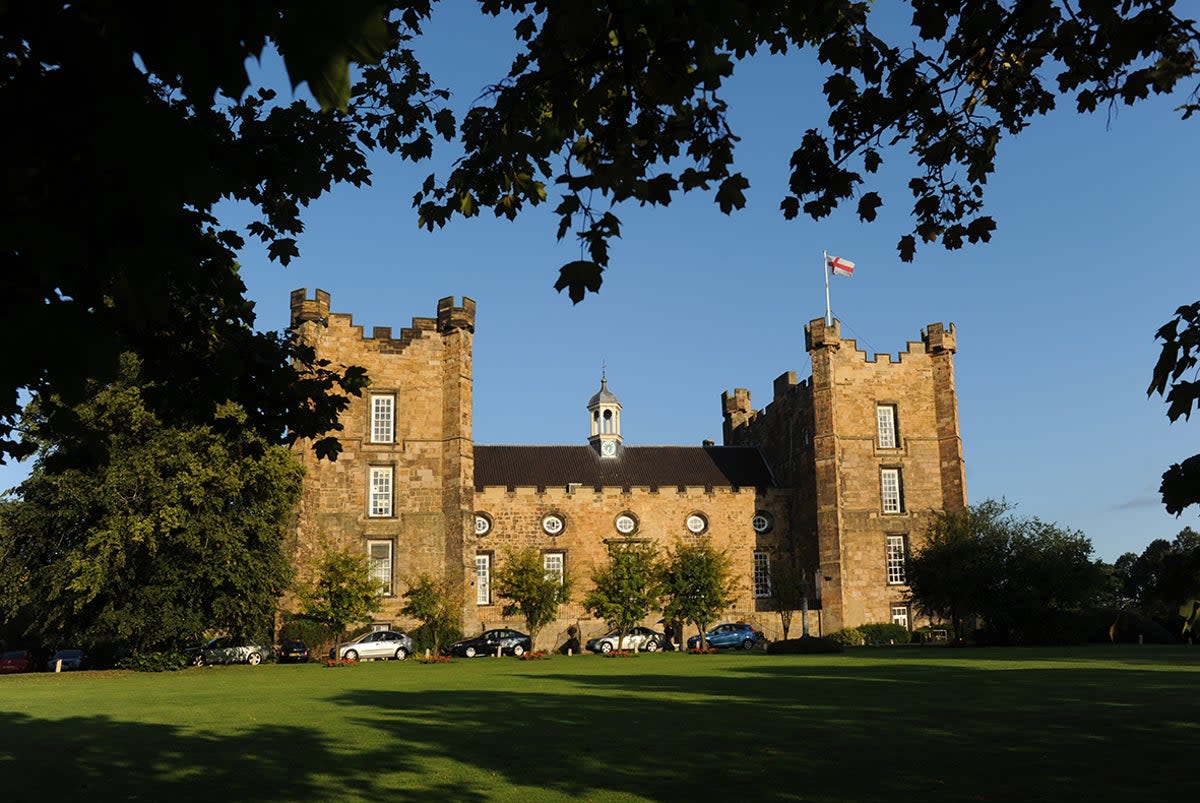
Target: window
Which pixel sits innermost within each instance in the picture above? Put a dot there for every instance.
(762, 574)
(900, 615)
(381, 491)
(897, 553)
(762, 522)
(891, 490)
(383, 418)
(553, 563)
(379, 554)
(483, 579)
(885, 419)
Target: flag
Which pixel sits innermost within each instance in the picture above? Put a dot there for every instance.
(839, 266)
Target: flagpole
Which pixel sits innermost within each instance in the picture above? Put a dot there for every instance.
(825, 268)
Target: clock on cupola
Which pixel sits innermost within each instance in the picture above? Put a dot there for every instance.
(605, 412)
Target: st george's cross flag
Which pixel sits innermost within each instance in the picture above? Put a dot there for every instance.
(839, 266)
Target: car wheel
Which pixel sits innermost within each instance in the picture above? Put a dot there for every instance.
(651, 646)
(748, 644)
(606, 646)
(469, 652)
(198, 660)
(254, 659)
(401, 653)
(351, 655)
(518, 650)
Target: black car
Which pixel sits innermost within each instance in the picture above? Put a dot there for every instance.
(293, 652)
(511, 642)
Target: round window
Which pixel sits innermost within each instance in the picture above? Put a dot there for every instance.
(553, 523)
(761, 522)
(626, 524)
(696, 523)
(483, 524)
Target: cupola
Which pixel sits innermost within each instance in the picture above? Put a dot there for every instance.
(605, 412)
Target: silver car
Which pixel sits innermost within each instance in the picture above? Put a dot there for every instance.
(642, 639)
(382, 644)
(230, 650)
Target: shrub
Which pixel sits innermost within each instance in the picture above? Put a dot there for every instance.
(885, 633)
(166, 661)
(423, 638)
(848, 637)
(807, 645)
(310, 631)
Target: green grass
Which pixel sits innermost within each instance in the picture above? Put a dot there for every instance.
(1101, 723)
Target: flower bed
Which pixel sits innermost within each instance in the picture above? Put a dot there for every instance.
(436, 659)
(702, 650)
(333, 663)
(619, 654)
(535, 656)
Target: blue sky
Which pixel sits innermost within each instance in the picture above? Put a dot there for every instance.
(1095, 248)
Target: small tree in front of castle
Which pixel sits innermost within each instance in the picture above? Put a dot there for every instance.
(625, 590)
(533, 593)
(343, 591)
(789, 591)
(697, 584)
(430, 603)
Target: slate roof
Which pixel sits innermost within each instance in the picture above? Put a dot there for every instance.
(635, 466)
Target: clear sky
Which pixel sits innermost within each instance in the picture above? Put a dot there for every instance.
(1096, 246)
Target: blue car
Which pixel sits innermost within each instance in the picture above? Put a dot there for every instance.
(729, 636)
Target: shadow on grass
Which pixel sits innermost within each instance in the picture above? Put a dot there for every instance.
(787, 733)
(101, 759)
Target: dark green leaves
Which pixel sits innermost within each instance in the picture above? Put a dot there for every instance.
(578, 278)
(319, 40)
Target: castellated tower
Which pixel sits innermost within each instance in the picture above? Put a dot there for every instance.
(401, 490)
(869, 448)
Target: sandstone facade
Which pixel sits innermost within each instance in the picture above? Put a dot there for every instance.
(842, 469)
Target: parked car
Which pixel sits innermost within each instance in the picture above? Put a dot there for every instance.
(382, 644)
(14, 661)
(71, 659)
(293, 652)
(512, 642)
(737, 634)
(640, 638)
(229, 650)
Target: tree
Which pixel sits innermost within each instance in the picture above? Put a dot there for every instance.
(625, 590)
(790, 590)
(697, 584)
(342, 593)
(1025, 580)
(533, 593)
(1164, 581)
(143, 533)
(1178, 359)
(141, 130)
(431, 603)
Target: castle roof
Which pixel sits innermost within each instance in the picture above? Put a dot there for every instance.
(635, 466)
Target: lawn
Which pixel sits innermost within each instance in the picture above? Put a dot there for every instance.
(942, 724)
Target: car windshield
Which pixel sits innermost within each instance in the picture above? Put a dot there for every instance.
(15, 654)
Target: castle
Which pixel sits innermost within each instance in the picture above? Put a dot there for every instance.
(843, 469)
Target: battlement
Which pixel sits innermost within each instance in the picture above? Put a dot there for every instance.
(449, 318)
(936, 338)
(306, 310)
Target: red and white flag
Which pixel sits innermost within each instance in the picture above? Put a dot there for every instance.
(839, 266)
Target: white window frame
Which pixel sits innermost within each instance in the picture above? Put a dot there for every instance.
(885, 424)
(381, 567)
(891, 490)
(379, 491)
(896, 559)
(555, 563)
(900, 615)
(762, 574)
(383, 418)
(483, 578)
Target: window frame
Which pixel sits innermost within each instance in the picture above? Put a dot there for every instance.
(561, 571)
(887, 495)
(389, 583)
(891, 429)
(895, 558)
(373, 423)
(381, 512)
(904, 613)
(761, 575)
(483, 590)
